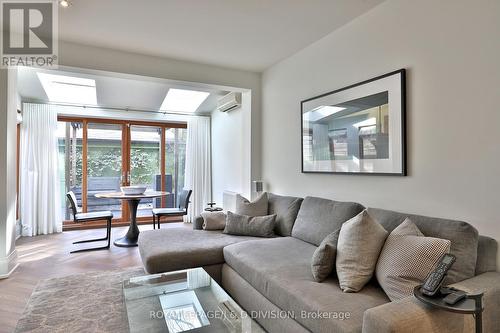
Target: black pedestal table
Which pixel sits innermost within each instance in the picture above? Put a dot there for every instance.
(130, 238)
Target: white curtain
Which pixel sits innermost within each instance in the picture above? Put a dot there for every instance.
(40, 194)
(198, 174)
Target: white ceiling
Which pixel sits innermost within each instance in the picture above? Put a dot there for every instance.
(244, 34)
(126, 93)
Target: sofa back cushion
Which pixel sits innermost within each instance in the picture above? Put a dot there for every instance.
(317, 218)
(286, 209)
(463, 237)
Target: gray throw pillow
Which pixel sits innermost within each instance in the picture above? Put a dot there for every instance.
(323, 259)
(258, 207)
(286, 210)
(406, 259)
(243, 225)
(360, 241)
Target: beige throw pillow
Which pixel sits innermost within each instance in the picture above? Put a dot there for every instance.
(360, 241)
(406, 259)
(214, 220)
(323, 259)
(258, 207)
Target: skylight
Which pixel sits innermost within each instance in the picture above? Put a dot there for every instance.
(322, 112)
(181, 100)
(68, 89)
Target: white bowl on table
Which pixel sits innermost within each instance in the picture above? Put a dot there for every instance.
(133, 190)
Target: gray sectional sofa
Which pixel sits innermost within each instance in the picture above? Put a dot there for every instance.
(271, 277)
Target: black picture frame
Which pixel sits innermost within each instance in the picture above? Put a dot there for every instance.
(403, 162)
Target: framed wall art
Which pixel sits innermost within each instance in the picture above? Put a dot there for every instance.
(359, 129)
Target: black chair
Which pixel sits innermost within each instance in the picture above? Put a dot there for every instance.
(87, 217)
(181, 210)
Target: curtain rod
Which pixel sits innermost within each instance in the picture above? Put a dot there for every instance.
(86, 106)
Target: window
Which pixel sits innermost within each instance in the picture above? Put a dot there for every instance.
(338, 143)
(368, 141)
(70, 136)
(175, 161)
(103, 155)
(68, 89)
(181, 100)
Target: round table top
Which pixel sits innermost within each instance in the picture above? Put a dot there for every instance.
(121, 195)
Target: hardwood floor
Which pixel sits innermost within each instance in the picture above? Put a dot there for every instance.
(48, 256)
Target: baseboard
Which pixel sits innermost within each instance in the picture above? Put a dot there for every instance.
(8, 265)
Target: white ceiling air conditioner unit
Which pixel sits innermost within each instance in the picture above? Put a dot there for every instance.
(229, 102)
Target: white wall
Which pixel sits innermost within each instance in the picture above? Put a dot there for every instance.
(452, 52)
(8, 121)
(230, 159)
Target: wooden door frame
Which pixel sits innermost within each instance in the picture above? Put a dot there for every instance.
(126, 145)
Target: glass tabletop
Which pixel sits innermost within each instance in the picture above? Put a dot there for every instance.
(183, 301)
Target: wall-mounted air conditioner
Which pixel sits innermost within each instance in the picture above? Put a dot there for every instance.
(229, 102)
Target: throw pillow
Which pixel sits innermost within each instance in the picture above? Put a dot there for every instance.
(214, 220)
(243, 225)
(360, 241)
(323, 259)
(406, 259)
(286, 210)
(258, 207)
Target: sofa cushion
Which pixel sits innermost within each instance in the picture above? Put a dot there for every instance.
(177, 248)
(284, 277)
(463, 237)
(243, 225)
(213, 220)
(286, 210)
(407, 258)
(258, 207)
(317, 218)
(360, 241)
(323, 259)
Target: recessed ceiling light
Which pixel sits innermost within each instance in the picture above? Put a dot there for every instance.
(65, 3)
(181, 100)
(68, 89)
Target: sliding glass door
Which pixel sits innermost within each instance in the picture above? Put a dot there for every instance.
(145, 163)
(70, 142)
(104, 166)
(175, 157)
(101, 156)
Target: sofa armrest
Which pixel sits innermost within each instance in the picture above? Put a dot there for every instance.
(411, 315)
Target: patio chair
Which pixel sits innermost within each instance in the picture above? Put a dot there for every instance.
(181, 210)
(79, 217)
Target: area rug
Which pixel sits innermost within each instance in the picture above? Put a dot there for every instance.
(87, 302)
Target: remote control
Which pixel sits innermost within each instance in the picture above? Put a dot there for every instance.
(454, 297)
(436, 277)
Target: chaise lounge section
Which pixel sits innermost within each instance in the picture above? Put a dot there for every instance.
(272, 280)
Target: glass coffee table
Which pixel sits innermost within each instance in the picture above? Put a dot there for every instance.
(183, 301)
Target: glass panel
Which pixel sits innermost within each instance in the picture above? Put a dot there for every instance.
(70, 136)
(181, 301)
(338, 143)
(104, 166)
(341, 134)
(175, 159)
(145, 161)
(368, 138)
